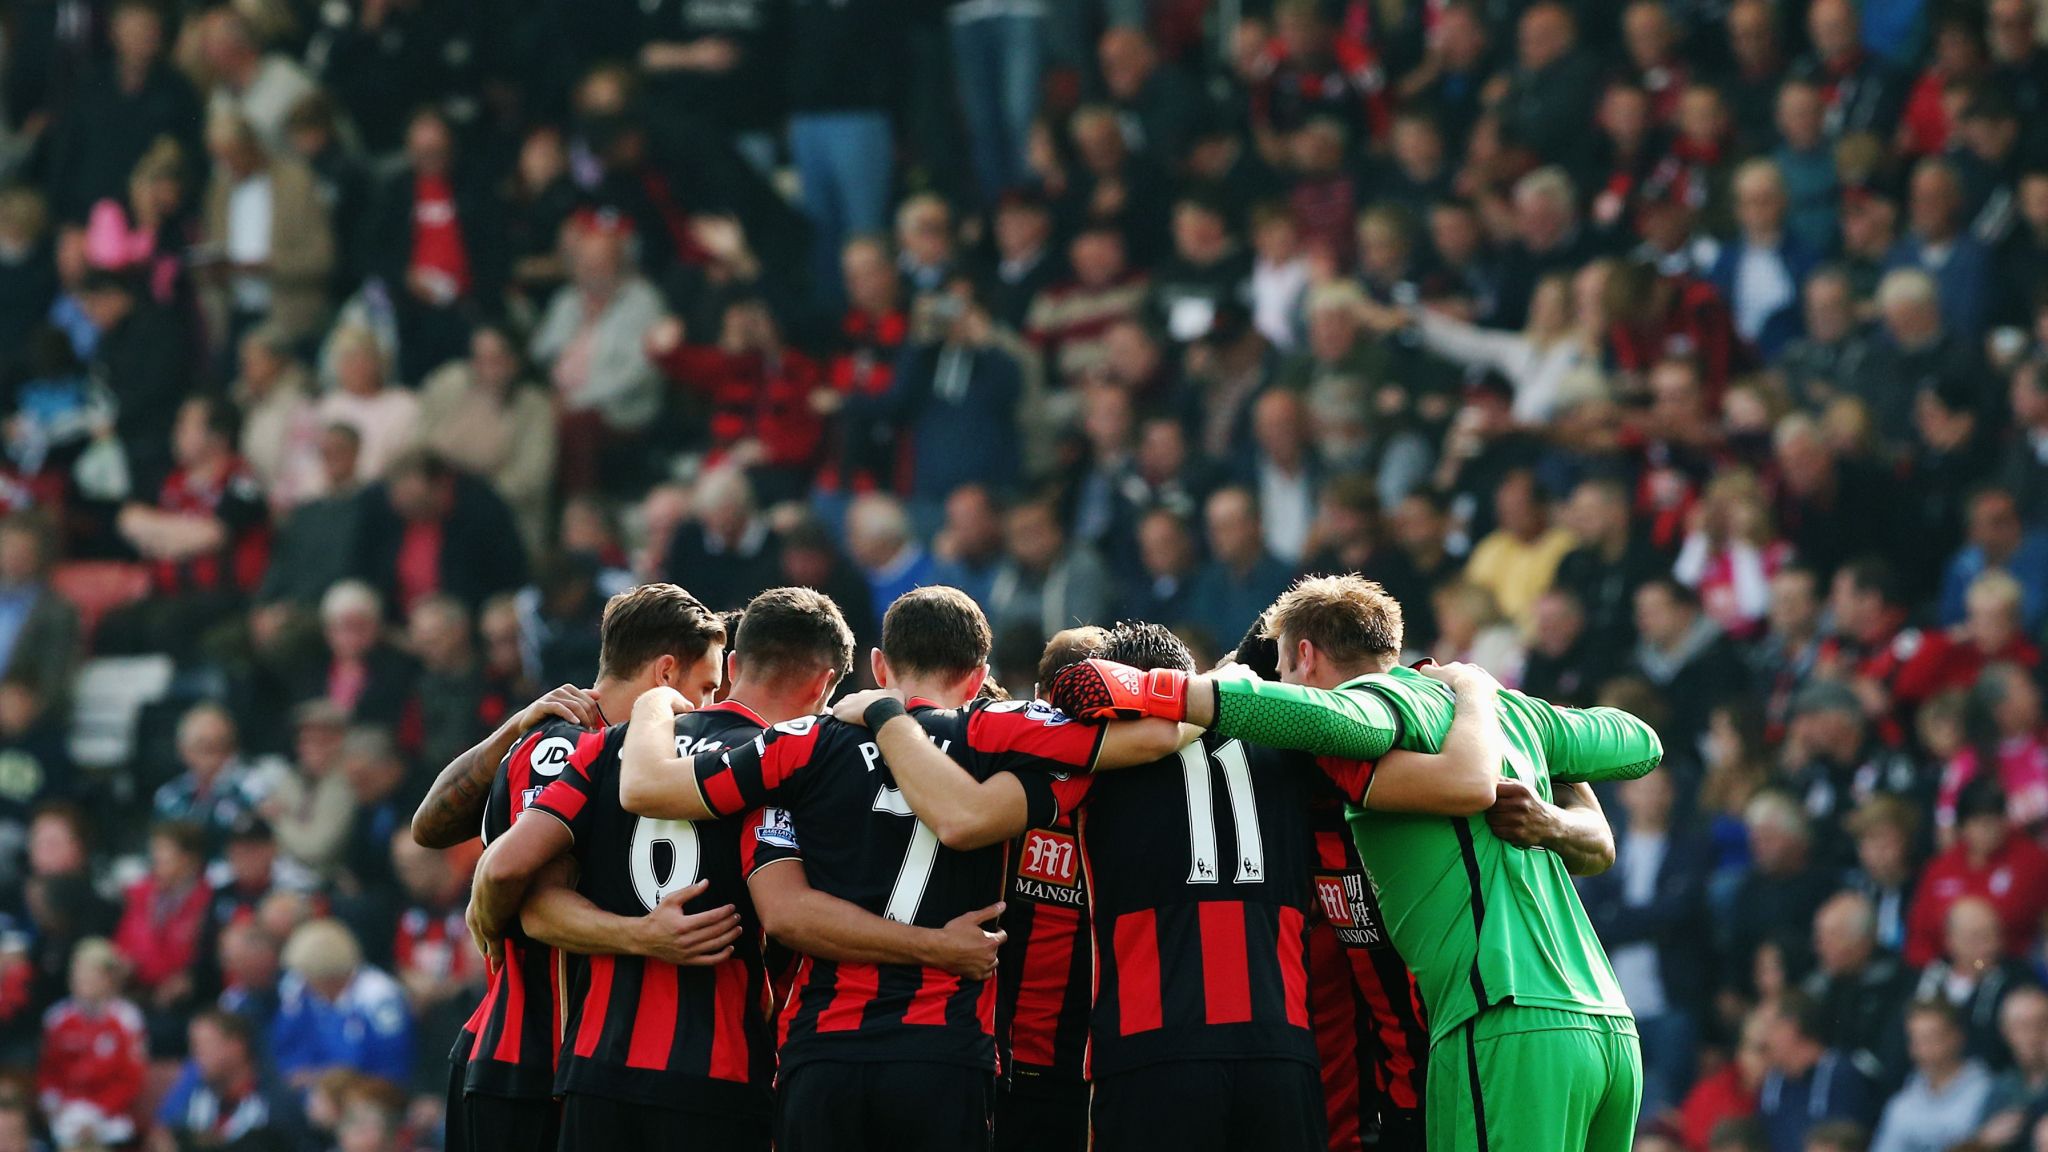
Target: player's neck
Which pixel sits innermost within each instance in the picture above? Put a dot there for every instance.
(938, 692)
(772, 706)
(615, 697)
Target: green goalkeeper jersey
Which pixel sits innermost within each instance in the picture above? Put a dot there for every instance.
(1479, 921)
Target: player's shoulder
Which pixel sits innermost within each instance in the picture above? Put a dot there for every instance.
(558, 745)
(716, 728)
(997, 716)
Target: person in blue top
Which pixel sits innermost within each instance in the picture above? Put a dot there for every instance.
(335, 1011)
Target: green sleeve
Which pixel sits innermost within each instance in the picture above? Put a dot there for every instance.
(1353, 725)
(1596, 744)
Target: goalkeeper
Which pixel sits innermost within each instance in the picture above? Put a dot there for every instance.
(1531, 1044)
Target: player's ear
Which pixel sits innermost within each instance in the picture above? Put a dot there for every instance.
(879, 666)
(1304, 658)
(975, 680)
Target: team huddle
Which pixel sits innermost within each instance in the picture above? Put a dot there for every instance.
(1313, 900)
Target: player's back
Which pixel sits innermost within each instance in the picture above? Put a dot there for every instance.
(861, 842)
(1045, 967)
(1199, 870)
(1478, 920)
(516, 1026)
(637, 1029)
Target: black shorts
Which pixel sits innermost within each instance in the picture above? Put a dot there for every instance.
(1211, 1106)
(501, 1123)
(828, 1106)
(1042, 1115)
(601, 1124)
(1400, 1131)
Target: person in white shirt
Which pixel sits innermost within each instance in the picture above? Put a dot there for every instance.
(1945, 1097)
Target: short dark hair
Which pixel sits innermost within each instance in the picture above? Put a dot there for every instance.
(1348, 618)
(184, 835)
(230, 1025)
(794, 631)
(936, 629)
(221, 418)
(1937, 1007)
(1259, 651)
(1147, 646)
(1874, 574)
(643, 624)
(1806, 1014)
(1068, 647)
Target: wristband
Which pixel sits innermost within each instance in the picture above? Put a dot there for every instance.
(881, 712)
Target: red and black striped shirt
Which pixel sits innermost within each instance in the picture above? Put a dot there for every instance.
(862, 843)
(1198, 868)
(1368, 1013)
(1045, 969)
(639, 1030)
(519, 1022)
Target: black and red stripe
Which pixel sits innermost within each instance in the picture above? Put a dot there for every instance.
(518, 1024)
(1045, 970)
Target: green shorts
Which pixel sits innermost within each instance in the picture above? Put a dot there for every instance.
(1519, 1079)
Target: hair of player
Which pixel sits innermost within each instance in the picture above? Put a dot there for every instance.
(1350, 620)
(1068, 647)
(793, 631)
(643, 624)
(936, 630)
(1259, 650)
(1147, 646)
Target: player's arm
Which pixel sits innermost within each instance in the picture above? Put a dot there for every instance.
(561, 917)
(1575, 827)
(454, 807)
(653, 780)
(1351, 725)
(1595, 744)
(1131, 743)
(824, 926)
(505, 874)
(964, 813)
(1459, 779)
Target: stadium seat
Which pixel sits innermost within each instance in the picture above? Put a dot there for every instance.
(97, 587)
(109, 696)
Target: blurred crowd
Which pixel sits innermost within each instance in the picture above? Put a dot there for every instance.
(1684, 355)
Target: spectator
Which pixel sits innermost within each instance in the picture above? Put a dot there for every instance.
(215, 788)
(1026, 262)
(1471, 629)
(1729, 1096)
(839, 60)
(260, 88)
(879, 537)
(1885, 828)
(94, 1054)
(1547, 235)
(427, 528)
(1946, 1094)
(484, 415)
(264, 216)
(2004, 722)
(280, 433)
(589, 343)
(1997, 539)
(315, 545)
(1562, 665)
(1829, 509)
(448, 703)
(39, 632)
(1990, 861)
(225, 1092)
(207, 539)
(1642, 910)
(362, 675)
(1863, 95)
(1684, 653)
(1775, 904)
(1043, 584)
(140, 357)
(1760, 273)
(429, 957)
(1861, 988)
(1808, 1083)
(1973, 975)
(433, 240)
(1241, 577)
(385, 418)
(163, 925)
(311, 809)
(338, 1012)
(760, 394)
(1938, 244)
(1609, 562)
(1550, 93)
(2017, 1091)
(727, 551)
(1208, 266)
(1067, 321)
(956, 392)
(1518, 561)
(1286, 474)
(137, 98)
(969, 544)
(249, 968)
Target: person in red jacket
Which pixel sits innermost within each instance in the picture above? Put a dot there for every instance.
(1992, 632)
(759, 392)
(95, 1052)
(165, 915)
(1989, 860)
